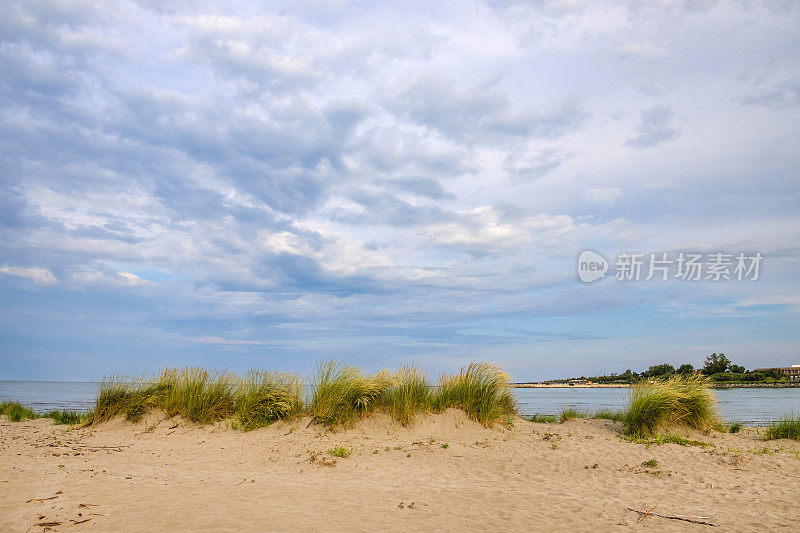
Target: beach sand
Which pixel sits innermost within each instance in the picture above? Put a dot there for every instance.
(168, 474)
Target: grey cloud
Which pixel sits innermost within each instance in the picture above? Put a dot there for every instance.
(384, 208)
(523, 168)
(778, 95)
(421, 187)
(655, 127)
(479, 114)
(398, 149)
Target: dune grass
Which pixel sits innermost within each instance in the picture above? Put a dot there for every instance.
(263, 397)
(785, 428)
(543, 419)
(341, 393)
(481, 390)
(570, 413)
(196, 394)
(409, 394)
(200, 396)
(65, 417)
(16, 412)
(677, 400)
(735, 427)
(610, 414)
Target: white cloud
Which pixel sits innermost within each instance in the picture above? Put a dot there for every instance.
(607, 195)
(40, 276)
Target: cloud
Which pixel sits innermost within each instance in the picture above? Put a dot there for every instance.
(780, 95)
(528, 167)
(607, 195)
(644, 50)
(655, 127)
(210, 339)
(480, 113)
(40, 276)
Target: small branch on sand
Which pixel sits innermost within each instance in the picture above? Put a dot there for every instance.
(693, 520)
(101, 447)
(76, 522)
(45, 499)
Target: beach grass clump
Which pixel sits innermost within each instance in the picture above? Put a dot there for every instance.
(65, 417)
(481, 390)
(341, 393)
(409, 394)
(16, 412)
(735, 427)
(787, 427)
(113, 397)
(570, 413)
(195, 394)
(262, 397)
(677, 400)
(543, 419)
(610, 414)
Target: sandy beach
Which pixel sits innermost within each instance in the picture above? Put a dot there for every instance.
(443, 473)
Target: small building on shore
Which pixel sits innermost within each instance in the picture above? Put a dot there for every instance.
(792, 371)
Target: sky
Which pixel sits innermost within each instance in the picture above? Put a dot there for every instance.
(272, 184)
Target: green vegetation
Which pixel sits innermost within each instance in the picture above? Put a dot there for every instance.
(264, 397)
(480, 390)
(200, 396)
(676, 400)
(342, 392)
(785, 428)
(543, 419)
(658, 440)
(196, 394)
(718, 368)
(568, 413)
(650, 463)
(340, 451)
(65, 417)
(409, 394)
(339, 394)
(16, 411)
(610, 414)
(735, 427)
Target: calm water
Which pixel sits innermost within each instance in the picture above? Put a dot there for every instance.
(749, 406)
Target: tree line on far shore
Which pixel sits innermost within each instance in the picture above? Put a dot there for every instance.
(718, 368)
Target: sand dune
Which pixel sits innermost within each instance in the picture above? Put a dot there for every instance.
(164, 474)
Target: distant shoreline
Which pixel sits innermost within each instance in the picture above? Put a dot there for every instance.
(567, 386)
(627, 385)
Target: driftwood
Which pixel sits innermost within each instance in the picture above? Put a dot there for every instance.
(45, 499)
(693, 520)
(100, 447)
(41, 499)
